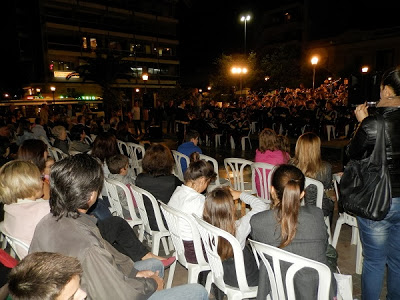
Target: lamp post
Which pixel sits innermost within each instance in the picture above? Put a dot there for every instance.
(145, 77)
(245, 19)
(364, 71)
(239, 71)
(314, 62)
(53, 89)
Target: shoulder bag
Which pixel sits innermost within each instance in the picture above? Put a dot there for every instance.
(365, 188)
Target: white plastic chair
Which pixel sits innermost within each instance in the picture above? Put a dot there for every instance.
(136, 150)
(178, 166)
(72, 152)
(218, 181)
(243, 141)
(209, 235)
(320, 196)
(173, 218)
(57, 154)
(123, 147)
(260, 170)
(43, 139)
(18, 249)
(235, 173)
(115, 203)
(275, 275)
(163, 233)
(347, 219)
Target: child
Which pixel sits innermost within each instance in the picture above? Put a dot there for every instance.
(119, 167)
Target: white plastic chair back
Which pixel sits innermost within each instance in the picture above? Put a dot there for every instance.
(275, 275)
(210, 237)
(123, 148)
(138, 193)
(218, 181)
(178, 166)
(19, 249)
(260, 172)
(345, 218)
(57, 154)
(320, 196)
(136, 154)
(72, 152)
(88, 140)
(43, 139)
(173, 218)
(235, 172)
(116, 208)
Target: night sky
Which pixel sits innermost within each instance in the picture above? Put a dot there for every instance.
(209, 28)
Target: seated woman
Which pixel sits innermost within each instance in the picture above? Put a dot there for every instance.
(220, 211)
(78, 135)
(20, 191)
(189, 199)
(35, 151)
(157, 178)
(294, 228)
(60, 142)
(269, 152)
(308, 159)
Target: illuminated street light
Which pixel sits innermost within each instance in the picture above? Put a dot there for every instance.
(137, 90)
(245, 19)
(209, 88)
(53, 90)
(266, 78)
(240, 71)
(145, 77)
(364, 69)
(314, 62)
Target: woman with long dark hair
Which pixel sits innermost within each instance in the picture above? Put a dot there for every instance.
(292, 227)
(381, 239)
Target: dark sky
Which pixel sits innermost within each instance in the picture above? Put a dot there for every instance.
(209, 28)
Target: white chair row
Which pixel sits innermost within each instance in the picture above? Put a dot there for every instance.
(207, 236)
(135, 152)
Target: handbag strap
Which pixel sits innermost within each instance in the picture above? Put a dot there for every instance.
(378, 155)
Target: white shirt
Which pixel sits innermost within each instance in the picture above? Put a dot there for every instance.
(190, 202)
(243, 227)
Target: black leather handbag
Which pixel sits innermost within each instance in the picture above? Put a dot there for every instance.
(365, 188)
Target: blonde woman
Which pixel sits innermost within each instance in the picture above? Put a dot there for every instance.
(21, 188)
(308, 159)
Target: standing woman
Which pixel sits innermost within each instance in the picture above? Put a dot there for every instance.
(294, 228)
(381, 239)
(308, 159)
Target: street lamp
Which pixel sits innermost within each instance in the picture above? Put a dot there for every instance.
(245, 19)
(53, 89)
(314, 61)
(364, 71)
(145, 77)
(239, 71)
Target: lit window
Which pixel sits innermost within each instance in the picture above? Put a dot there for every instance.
(84, 43)
(93, 43)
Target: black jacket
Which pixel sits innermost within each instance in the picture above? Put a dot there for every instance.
(362, 144)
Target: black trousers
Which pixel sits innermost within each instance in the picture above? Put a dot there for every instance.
(118, 233)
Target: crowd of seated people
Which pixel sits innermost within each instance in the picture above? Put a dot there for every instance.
(284, 113)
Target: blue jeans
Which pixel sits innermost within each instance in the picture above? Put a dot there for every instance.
(151, 264)
(193, 291)
(381, 246)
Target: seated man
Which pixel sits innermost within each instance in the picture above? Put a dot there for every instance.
(108, 274)
(190, 146)
(45, 275)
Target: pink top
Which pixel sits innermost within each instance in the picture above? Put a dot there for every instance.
(277, 157)
(21, 218)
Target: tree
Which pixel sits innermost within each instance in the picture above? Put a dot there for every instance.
(223, 81)
(105, 69)
(282, 65)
